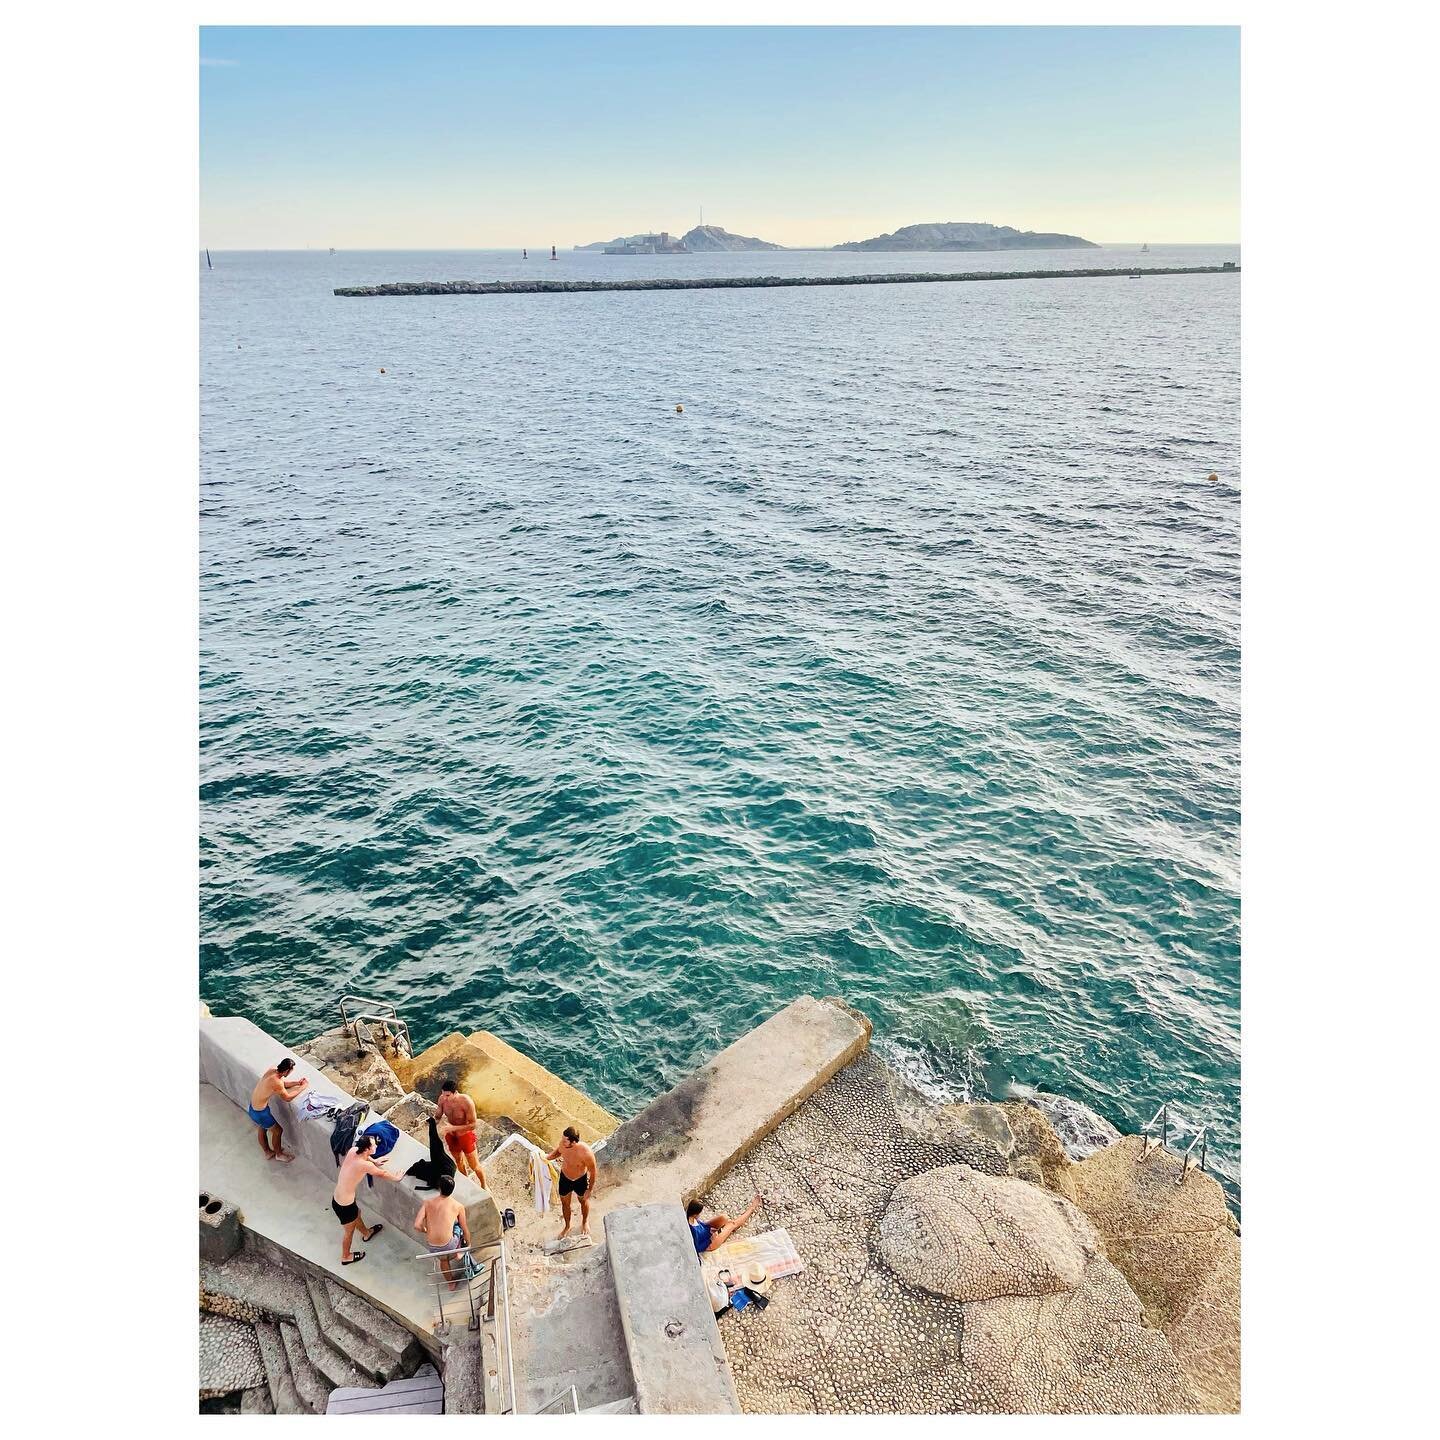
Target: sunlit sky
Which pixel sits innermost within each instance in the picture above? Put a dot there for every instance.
(422, 137)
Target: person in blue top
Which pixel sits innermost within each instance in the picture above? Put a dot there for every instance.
(712, 1234)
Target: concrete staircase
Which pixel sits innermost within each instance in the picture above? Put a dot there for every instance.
(316, 1335)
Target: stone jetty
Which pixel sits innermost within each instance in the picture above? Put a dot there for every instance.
(753, 282)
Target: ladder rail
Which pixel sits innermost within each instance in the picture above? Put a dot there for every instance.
(1149, 1144)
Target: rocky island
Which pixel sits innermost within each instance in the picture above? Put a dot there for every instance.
(705, 239)
(969, 235)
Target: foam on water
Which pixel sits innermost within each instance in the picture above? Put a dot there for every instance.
(902, 666)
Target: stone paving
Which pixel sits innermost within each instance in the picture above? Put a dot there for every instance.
(229, 1356)
(849, 1335)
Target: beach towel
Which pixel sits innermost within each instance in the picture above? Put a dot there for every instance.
(318, 1107)
(544, 1174)
(385, 1137)
(774, 1249)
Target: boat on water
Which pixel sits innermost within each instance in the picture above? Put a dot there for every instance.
(332, 249)
(1144, 249)
(209, 263)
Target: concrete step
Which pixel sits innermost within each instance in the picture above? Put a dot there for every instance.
(256, 1401)
(615, 1407)
(362, 1354)
(284, 1398)
(364, 1320)
(309, 1382)
(677, 1358)
(281, 1292)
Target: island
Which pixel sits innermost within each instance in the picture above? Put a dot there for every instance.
(702, 239)
(968, 235)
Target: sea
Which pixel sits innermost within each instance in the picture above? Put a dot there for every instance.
(902, 664)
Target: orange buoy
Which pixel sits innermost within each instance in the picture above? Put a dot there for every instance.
(1212, 476)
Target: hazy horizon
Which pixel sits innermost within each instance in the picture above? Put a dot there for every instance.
(485, 138)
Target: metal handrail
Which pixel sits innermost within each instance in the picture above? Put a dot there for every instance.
(379, 1012)
(1203, 1142)
(1163, 1116)
(494, 1280)
(1151, 1144)
(439, 1264)
(570, 1394)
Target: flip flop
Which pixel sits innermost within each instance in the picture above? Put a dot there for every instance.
(374, 1231)
(355, 1259)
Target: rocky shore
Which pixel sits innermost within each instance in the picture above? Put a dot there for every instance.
(749, 282)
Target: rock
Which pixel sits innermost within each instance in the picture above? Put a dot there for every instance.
(975, 1237)
(360, 1070)
(1085, 1351)
(1037, 1147)
(1081, 1130)
(1177, 1247)
(410, 1114)
(989, 1121)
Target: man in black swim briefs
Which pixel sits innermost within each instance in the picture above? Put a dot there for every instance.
(577, 1177)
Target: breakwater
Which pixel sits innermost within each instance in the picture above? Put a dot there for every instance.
(753, 282)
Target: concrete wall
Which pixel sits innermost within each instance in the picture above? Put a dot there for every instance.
(682, 1142)
(234, 1054)
(504, 1082)
(677, 1357)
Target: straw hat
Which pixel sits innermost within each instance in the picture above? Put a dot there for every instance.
(757, 1278)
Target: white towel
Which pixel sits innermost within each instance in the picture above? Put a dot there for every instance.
(542, 1171)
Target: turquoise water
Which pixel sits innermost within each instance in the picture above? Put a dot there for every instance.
(904, 665)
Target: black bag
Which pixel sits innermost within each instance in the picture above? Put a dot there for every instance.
(342, 1137)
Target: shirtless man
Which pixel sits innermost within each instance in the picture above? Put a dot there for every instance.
(577, 1177)
(437, 1220)
(457, 1125)
(353, 1169)
(267, 1087)
(712, 1234)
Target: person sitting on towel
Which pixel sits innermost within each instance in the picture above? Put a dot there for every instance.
(577, 1177)
(712, 1234)
(438, 1220)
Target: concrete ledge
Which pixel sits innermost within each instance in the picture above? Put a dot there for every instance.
(234, 1053)
(681, 1143)
(676, 1355)
(503, 1082)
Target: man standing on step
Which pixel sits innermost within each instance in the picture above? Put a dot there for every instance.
(458, 1128)
(270, 1085)
(577, 1177)
(439, 1218)
(359, 1163)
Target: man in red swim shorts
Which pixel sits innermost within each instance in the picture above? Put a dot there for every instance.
(458, 1128)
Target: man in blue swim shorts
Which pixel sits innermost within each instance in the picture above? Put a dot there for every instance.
(267, 1087)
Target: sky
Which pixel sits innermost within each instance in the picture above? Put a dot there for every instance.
(417, 137)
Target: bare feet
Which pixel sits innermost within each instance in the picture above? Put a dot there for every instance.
(284, 1157)
(563, 1233)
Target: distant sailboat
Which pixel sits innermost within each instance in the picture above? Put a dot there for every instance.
(209, 263)
(1145, 249)
(524, 254)
(553, 255)
(332, 249)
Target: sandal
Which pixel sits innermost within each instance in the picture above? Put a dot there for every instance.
(355, 1259)
(374, 1231)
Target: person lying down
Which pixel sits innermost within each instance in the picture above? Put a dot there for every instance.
(712, 1234)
